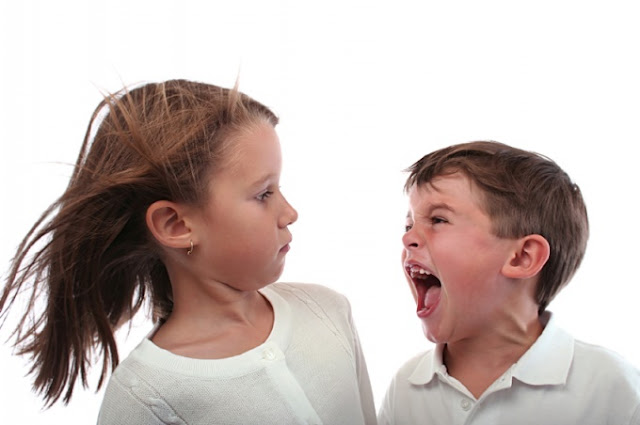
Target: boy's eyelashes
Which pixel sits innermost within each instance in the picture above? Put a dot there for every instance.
(433, 220)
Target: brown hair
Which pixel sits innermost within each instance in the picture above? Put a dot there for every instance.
(524, 193)
(90, 257)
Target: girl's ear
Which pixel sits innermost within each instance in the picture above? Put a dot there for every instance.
(530, 255)
(166, 222)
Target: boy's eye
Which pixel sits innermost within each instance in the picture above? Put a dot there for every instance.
(264, 195)
(408, 227)
(437, 220)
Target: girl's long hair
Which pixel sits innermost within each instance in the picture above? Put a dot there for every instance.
(90, 260)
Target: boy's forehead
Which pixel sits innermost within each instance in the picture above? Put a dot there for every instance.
(441, 184)
(445, 190)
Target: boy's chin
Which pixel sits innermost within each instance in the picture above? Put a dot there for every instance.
(431, 334)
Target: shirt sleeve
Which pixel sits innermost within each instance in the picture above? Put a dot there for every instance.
(635, 419)
(386, 412)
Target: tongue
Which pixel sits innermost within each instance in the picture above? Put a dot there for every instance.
(431, 297)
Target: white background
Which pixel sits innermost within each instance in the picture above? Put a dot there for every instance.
(363, 89)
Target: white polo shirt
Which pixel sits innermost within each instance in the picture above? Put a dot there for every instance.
(557, 381)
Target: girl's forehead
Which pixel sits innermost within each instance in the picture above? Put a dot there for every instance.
(255, 157)
(250, 147)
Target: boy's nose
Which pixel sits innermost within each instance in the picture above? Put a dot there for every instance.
(410, 239)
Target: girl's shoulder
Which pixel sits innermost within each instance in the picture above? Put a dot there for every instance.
(312, 296)
(309, 292)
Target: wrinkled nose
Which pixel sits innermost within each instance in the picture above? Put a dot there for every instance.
(410, 239)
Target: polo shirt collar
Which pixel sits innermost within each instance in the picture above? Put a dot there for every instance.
(546, 362)
(430, 364)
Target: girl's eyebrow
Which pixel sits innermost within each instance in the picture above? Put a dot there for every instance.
(261, 181)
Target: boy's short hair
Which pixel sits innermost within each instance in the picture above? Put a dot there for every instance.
(523, 193)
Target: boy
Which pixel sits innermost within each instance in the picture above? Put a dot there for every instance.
(493, 234)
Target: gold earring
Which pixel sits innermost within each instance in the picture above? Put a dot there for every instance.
(190, 250)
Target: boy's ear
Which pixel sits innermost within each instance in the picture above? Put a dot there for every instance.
(166, 222)
(530, 255)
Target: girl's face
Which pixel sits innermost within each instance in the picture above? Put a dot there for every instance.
(242, 231)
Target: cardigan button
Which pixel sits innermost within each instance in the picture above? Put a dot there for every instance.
(269, 354)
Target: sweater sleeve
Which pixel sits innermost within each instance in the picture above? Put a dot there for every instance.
(364, 383)
(128, 402)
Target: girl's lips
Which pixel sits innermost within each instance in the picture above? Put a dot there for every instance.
(285, 249)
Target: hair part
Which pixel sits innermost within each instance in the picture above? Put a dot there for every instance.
(523, 193)
(90, 257)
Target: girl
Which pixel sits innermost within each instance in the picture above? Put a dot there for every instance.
(177, 198)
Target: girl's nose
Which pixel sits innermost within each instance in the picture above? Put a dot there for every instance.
(289, 215)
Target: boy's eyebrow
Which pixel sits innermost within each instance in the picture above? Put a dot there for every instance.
(431, 208)
(439, 206)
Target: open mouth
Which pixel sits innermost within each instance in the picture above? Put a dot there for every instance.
(428, 288)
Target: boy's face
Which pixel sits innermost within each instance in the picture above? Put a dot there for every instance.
(453, 261)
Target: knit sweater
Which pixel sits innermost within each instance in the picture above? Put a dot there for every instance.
(310, 370)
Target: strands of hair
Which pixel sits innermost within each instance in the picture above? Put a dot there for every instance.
(89, 259)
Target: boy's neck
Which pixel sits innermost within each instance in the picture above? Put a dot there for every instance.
(478, 362)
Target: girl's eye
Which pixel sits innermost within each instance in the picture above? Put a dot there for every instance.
(437, 220)
(408, 227)
(264, 195)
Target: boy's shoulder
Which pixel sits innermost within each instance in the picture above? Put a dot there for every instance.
(420, 368)
(597, 361)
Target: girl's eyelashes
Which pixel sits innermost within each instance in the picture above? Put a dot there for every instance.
(264, 195)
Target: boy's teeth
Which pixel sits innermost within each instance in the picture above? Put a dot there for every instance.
(419, 272)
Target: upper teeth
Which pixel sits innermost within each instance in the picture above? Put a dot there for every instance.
(417, 271)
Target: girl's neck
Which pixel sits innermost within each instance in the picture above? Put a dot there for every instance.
(477, 362)
(215, 321)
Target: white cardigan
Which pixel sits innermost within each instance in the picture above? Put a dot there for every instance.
(310, 370)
